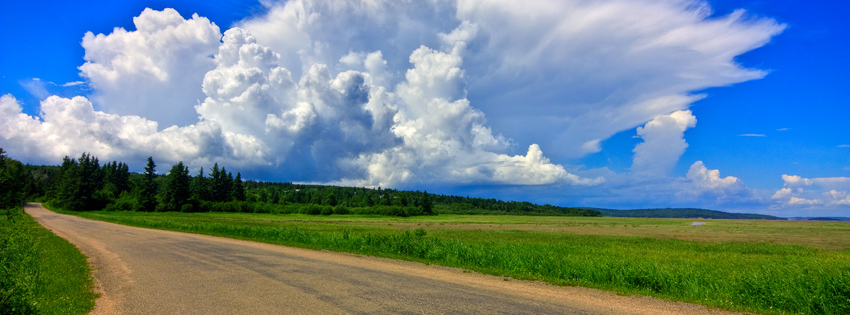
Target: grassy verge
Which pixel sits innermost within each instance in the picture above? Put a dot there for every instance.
(41, 273)
(742, 276)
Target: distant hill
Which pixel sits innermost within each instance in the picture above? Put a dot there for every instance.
(845, 219)
(684, 213)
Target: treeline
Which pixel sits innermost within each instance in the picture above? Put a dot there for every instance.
(369, 201)
(356, 197)
(84, 184)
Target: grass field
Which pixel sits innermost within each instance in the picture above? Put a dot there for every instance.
(759, 266)
(41, 273)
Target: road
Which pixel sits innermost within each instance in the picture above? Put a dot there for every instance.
(145, 271)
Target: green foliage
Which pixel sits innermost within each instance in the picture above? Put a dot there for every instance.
(238, 191)
(147, 194)
(125, 202)
(19, 267)
(41, 273)
(83, 184)
(12, 178)
(175, 192)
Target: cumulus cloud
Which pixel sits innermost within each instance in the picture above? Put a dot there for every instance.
(154, 71)
(805, 192)
(577, 71)
(707, 184)
(70, 126)
(663, 142)
(329, 126)
(389, 93)
(710, 179)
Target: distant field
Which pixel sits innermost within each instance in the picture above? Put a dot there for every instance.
(760, 266)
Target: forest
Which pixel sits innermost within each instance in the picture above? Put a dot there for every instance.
(84, 184)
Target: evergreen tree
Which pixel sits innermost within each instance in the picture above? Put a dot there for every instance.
(200, 187)
(427, 206)
(91, 181)
(11, 179)
(238, 189)
(63, 189)
(116, 180)
(222, 184)
(147, 195)
(175, 193)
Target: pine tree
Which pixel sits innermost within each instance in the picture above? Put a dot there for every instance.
(148, 192)
(175, 193)
(427, 206)
(238, 193)
(11, 177)
(91, 181)
(200, 187)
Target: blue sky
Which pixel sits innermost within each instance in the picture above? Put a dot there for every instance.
(651, 104)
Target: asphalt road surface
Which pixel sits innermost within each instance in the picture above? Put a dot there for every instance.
(144, 271)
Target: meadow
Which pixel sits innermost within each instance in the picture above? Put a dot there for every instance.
(770, 267)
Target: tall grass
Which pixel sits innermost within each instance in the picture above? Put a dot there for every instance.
(742, 276)
(41, 273)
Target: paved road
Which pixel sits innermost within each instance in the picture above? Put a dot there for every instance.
(144, 271)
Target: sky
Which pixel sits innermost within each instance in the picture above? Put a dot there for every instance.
(736, 106)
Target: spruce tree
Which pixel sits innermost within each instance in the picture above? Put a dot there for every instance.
(147, 196)
(11, 177)
(175, 192)
(200, 186)
(238, 193)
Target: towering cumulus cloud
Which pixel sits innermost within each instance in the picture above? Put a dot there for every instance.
(154, 71)
(394, 93)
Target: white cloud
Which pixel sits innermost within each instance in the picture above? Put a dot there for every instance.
(577, 71)
(752, 135)
(707, 179)
(446, 138)
(75, 83)
(804, 202)
(663, 142)
(601, 67)
(806, 192)
(155, 71)
(796, 180)
(395, 93)
(782, 193)
(327, 127)
(844, 145)
(71, 126)
(838, 197)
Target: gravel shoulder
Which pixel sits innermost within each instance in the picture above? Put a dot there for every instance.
(145, 271)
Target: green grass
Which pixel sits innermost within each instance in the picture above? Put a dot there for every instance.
(665, 258)
(41, 273)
